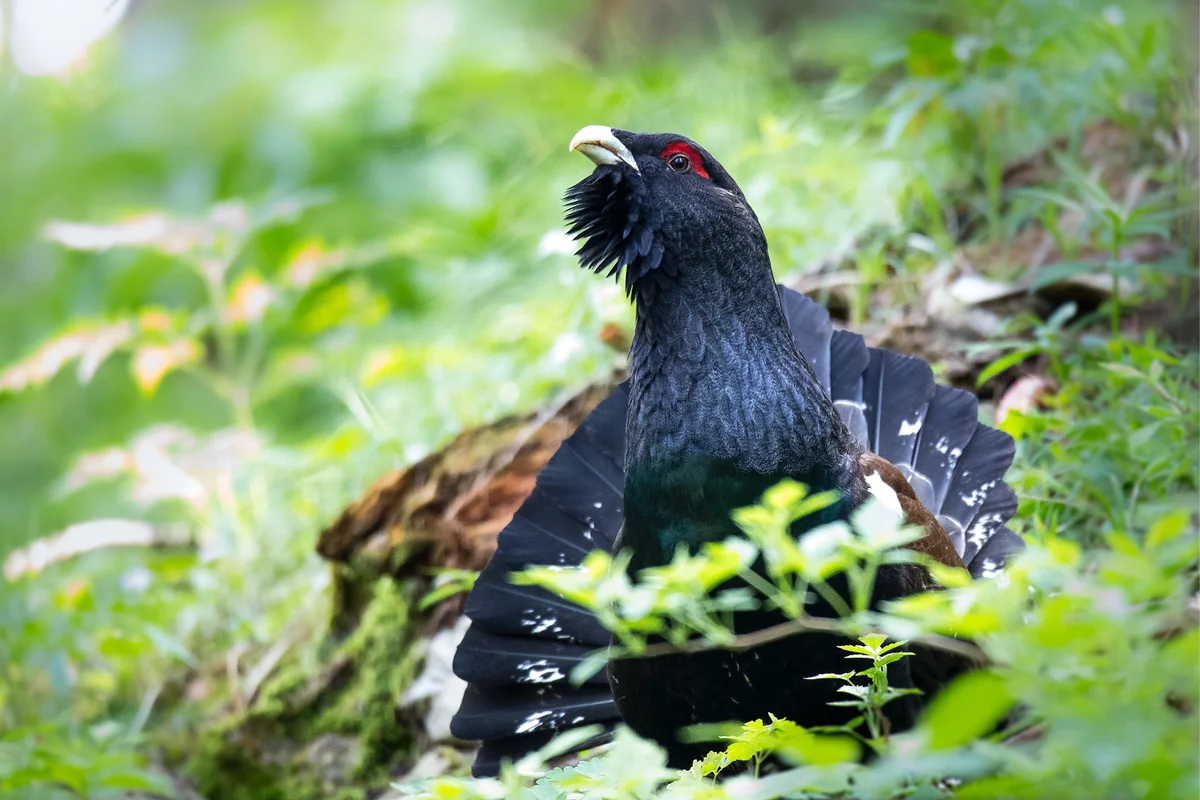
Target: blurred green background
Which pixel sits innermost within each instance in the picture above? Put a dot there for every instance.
(253, 254)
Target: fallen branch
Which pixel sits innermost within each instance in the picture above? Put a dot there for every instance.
(86, 537)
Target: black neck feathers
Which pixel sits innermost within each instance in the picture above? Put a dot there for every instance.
(716, 374)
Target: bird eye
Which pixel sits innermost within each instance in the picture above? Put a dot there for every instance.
(680, 163)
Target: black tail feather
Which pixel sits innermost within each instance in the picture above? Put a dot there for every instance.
(896, 392)
(576, 506)
(997, 509)
(497, 605)
(489, 712)
(491, 659)
(810, 327)
(977, 475)
(849, 358)
(989, 560)
(949, 424)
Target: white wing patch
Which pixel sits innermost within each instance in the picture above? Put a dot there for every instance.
(886, 494)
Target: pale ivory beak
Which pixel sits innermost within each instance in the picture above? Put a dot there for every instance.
(598, 143)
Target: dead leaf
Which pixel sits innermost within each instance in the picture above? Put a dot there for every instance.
(616, 337)
(1024, 396)
(152, 363)
(91, 343)
(249, 300)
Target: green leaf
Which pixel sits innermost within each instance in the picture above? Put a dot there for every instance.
(891, 658)
(949, 577)
(931, 54)
(1168, 528)
(1001, 364)
(801, 746)
(446, 585)
(968, 708)
(874, 641)
(171, 645)
(1054, 198)
(902, 117)
(857, 648)
(592, 664)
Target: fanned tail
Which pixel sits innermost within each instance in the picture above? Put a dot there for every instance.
(931, 433)
(523, 642)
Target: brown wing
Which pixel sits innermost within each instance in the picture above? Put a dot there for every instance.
(931, 669)
(936, 544)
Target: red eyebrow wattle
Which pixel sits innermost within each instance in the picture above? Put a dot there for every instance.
(683, 148)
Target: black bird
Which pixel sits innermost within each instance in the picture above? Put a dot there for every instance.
(734, 384)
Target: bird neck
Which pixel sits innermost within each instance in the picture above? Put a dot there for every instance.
(715, 374)
(722, 407)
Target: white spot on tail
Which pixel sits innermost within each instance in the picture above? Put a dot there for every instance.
(977, 496)
(538, 624)
(983, 528)
(540, 671)
(909, 428)
(991, 569)
(533, 722)
(943, 447)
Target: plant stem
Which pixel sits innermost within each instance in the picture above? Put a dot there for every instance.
(749, 641)
(1116, 305)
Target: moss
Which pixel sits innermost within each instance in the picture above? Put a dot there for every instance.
(322, 731)
(380, 650)
(224, 767)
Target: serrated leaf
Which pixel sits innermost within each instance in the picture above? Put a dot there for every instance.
(891, 658)
(857, 648)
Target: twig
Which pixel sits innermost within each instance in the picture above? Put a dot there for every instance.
(783, 630)
(144, 708)
(263, 669)
(233, 674)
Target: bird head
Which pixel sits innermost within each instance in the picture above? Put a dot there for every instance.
(656, 206)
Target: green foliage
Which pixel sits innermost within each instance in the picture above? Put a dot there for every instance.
(246, 756)
(1111, 224)
(319, 256)
(876, 693)
(446, 584)
(1086, 645)
(990, 80)
(677, 601)
(84, 766)
(755, 742)
(1114, 453)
